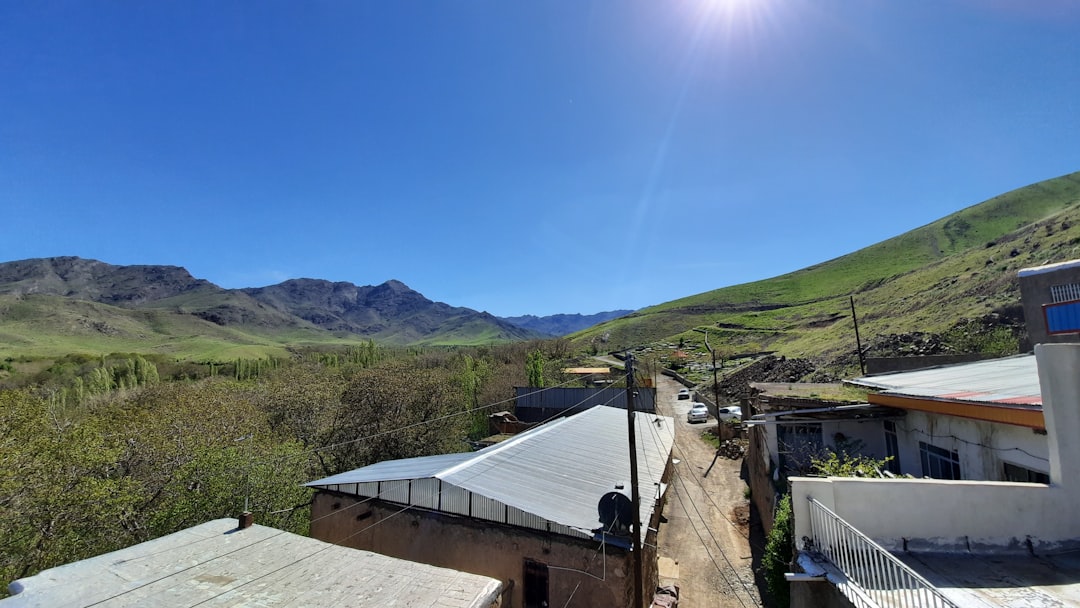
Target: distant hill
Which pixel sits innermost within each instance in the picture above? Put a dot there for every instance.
(563, 324)
(958, 270)
(57, 305)
(389, 312)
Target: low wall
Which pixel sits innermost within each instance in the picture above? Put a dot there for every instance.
(674, 375)
(884, 365)
(931, 514)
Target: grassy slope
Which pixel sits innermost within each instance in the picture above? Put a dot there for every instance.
(41, 326)
(49, 326)
(924, 280)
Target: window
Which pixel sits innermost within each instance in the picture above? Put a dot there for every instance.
(799, 443)
(892, 447)
(939, 463)
(1018, 473)
(1064, 293)
(536, 584)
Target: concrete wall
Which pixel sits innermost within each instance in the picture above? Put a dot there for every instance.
(1035, 291)
(972, 515)
(759, 467)
(490, 549)
(983, 447)
(817, 595)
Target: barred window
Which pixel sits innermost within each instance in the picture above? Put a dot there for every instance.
(1064, 293)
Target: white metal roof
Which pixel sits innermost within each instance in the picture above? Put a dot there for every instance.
(557, 471)
(215, 564)
(1011, 381)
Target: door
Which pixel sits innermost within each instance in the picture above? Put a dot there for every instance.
(536, 584)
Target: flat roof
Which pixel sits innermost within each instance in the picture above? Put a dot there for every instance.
(587, 370)
(217, 564)
(983, 581)
(1027, 272)
(1012, 381)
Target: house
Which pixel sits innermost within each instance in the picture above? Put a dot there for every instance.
(220, 564)
(989, 517)
(545, 512)
(542, 404)
(947, 542)
(976, 421)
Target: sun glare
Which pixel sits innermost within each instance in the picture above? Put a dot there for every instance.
(736, 20)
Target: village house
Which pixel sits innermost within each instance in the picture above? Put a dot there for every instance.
(988, 517)
(545, 512)
(220, 563)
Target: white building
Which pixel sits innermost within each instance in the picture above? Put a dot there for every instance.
(943, 542)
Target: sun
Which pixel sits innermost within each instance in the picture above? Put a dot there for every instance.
(736, 19)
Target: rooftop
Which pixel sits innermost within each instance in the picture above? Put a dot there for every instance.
(217, 564)
(1010, 381)
(984, 581)
(557, 471)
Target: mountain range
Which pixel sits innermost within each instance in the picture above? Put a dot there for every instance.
(955, 277)
(563, 324)
(69, 302)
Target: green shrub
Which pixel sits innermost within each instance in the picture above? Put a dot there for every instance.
(778, 551)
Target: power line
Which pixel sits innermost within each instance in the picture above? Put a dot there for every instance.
(709, 553)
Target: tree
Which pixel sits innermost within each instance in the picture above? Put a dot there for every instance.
(534, 368)
(61, 495)
(778, 552)
(396, 410)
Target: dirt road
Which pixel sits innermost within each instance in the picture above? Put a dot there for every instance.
(703, 547)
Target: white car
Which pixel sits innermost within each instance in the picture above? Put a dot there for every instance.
(684, 393)
(731, 412)
(698, 413)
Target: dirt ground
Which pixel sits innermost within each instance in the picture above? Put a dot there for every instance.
(704, 544)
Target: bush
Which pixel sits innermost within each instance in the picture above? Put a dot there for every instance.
(778, 551)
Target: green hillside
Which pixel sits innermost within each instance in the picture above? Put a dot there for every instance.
(960, 267)
(45, 326)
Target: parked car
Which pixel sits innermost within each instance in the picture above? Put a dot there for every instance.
(684, 393)
(731, 412)
(698, 413)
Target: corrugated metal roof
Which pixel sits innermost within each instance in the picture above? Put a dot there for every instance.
(1007, 381)
(214, 564)
(557, 471)
(406, 468)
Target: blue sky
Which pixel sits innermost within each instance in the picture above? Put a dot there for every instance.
(519, 157)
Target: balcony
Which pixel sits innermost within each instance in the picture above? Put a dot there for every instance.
(862, 570)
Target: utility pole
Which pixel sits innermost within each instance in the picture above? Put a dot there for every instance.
(716, 399)
(715, 386)
(635, 498)
(858, 342)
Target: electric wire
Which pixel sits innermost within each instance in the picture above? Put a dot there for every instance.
(973, 443)
(708, 552)
(719, 547)
(338, 512)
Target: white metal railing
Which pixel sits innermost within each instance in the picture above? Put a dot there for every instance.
(880, 575)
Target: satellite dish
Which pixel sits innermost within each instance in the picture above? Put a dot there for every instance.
(616, 512)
